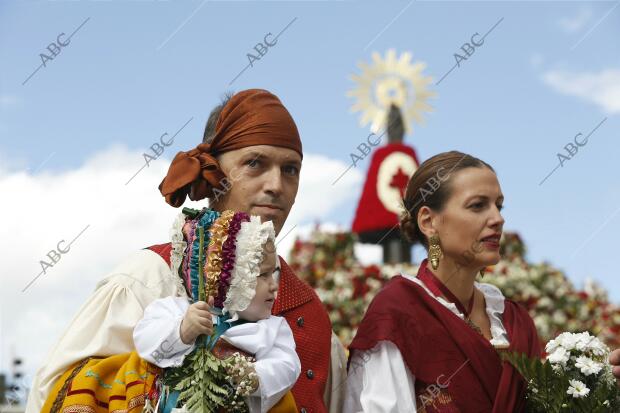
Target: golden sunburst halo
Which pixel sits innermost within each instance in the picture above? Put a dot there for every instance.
(391, 81)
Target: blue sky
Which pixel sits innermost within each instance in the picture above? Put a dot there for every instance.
(137, 69)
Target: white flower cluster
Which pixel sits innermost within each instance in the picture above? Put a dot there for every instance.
(578, 355)
(241, 372)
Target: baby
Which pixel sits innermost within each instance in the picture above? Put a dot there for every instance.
(239, 262)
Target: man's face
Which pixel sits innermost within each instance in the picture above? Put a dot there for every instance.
(263, 181)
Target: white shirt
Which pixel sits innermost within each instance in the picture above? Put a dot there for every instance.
(379, 381)
(157, 340)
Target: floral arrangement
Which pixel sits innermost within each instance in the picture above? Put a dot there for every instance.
(346, 287)
(240, 371)
(203, 380)
(221, 258)
(575, 377)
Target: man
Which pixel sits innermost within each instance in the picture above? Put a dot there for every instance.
(249, 161)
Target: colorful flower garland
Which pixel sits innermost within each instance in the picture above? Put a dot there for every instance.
(217, 234)
(228, 257)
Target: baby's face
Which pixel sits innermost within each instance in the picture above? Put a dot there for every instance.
(266, 287)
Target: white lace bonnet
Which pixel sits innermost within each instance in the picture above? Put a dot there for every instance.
(249, 244)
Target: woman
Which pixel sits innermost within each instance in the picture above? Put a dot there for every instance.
(431, 342)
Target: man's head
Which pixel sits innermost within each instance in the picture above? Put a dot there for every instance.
(260, 179)
(249, 160)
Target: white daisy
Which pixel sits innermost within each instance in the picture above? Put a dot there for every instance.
(584, 341)
(559, 356)
(588, 366)
(577, 389)
(551, 346)
(568, 340)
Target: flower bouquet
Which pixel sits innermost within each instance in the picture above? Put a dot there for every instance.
(209, 380)
(575, 377)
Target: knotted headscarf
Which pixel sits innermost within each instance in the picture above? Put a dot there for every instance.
(251, 117)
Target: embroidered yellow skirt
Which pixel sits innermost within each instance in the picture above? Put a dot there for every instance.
(117, 384)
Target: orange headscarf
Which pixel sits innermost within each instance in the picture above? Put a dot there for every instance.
(251, 117)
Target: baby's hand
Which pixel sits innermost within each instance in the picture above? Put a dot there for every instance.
(197, 321)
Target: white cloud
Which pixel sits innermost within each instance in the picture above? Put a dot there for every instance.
(42, 209)
(602, 88)
(576, 22)
(317, 193)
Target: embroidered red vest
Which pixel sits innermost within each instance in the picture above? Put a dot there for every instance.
(298, 303)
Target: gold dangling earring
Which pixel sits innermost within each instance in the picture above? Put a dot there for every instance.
(434, 251)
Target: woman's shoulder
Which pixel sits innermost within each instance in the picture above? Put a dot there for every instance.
(399, 282)
(401, 286)
(397, 300)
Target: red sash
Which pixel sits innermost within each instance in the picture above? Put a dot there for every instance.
(456, 369)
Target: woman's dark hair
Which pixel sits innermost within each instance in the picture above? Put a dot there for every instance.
(430, 186)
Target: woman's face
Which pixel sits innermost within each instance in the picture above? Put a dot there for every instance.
(470, 224)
